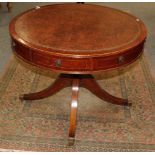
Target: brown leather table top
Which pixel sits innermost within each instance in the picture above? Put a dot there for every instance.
(78, 29)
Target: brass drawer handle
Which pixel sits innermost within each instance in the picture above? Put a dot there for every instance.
(13, 44)
(58, 63)
(121, 59)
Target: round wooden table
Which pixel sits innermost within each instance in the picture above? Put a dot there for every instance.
(77, 40)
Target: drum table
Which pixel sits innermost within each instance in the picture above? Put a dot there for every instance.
(77, 40)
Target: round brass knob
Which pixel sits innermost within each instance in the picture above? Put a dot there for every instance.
(121, 59)
(58, 63)
(13, 44)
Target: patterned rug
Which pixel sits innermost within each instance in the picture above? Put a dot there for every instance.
(43, 125)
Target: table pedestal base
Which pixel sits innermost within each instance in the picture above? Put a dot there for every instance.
(75, 81)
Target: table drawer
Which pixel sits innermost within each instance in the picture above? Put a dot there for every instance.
(61, 63)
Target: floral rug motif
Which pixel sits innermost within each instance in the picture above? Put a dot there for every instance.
(42, 125)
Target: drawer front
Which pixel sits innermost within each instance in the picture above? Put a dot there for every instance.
(21, 51)
(41, 59)
(103, 63)
(59, 63)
